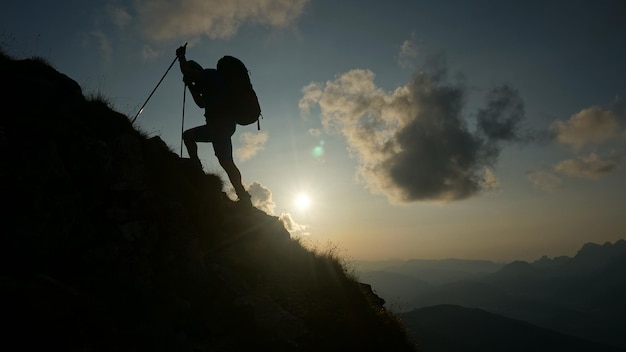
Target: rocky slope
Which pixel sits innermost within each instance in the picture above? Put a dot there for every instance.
(111, 242)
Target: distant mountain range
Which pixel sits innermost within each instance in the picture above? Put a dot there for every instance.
(446, 328)
(582, 296)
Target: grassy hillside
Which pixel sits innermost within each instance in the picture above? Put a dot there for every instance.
(111, 242)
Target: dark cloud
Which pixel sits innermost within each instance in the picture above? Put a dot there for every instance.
(413, 143)
(502, 117)
(437, 158)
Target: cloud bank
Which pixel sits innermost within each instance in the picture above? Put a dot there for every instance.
(216, 19)
(413, 144)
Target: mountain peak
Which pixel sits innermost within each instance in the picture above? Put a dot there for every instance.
(595, 255)
(518, 268)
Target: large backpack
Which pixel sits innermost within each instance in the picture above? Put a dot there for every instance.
(241, 98)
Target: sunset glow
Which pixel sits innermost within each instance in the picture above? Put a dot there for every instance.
(303, 202)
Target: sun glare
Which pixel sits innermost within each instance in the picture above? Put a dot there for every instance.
(303, 202)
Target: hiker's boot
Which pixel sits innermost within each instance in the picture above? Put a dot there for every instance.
(244, 200)
(197, 163)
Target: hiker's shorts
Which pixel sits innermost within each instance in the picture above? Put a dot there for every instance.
(219, 135)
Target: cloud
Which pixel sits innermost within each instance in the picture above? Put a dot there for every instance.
(120, 17)
(491, 181)
(589, 126)
(315, 132)
(261, 198)
(589, 167)
(149, 54)
(311, 95)
(103, 44)
(252, 144)
(600, 128)
(408, 52)
(412, 143)
(544, 180)
(293, 227)
(501, 119)
(216, 19)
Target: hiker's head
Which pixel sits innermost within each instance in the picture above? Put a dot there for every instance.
(194, 65)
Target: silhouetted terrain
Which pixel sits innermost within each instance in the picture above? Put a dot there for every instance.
(399, 290)
(446, 328)
(399, 282)
(435, 272)
(581, 296)
(111, 242)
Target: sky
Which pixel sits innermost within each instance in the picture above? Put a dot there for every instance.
(393, 129)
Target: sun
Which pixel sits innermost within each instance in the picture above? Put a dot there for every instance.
(302, 201)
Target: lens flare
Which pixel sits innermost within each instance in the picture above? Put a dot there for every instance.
(318, 151)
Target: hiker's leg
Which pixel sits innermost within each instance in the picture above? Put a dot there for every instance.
(189, 137)
(193, 136)
(234, 175)
(224, 152)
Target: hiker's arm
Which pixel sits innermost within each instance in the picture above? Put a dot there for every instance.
(190, 76)
(187, 70)
(195, 90)
(197, 96)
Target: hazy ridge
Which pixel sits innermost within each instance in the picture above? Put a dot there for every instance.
(581, 296)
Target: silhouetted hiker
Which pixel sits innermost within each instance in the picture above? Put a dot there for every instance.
(208, 90)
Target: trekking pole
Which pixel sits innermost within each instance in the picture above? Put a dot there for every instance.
(182, 127)
(155, 88)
